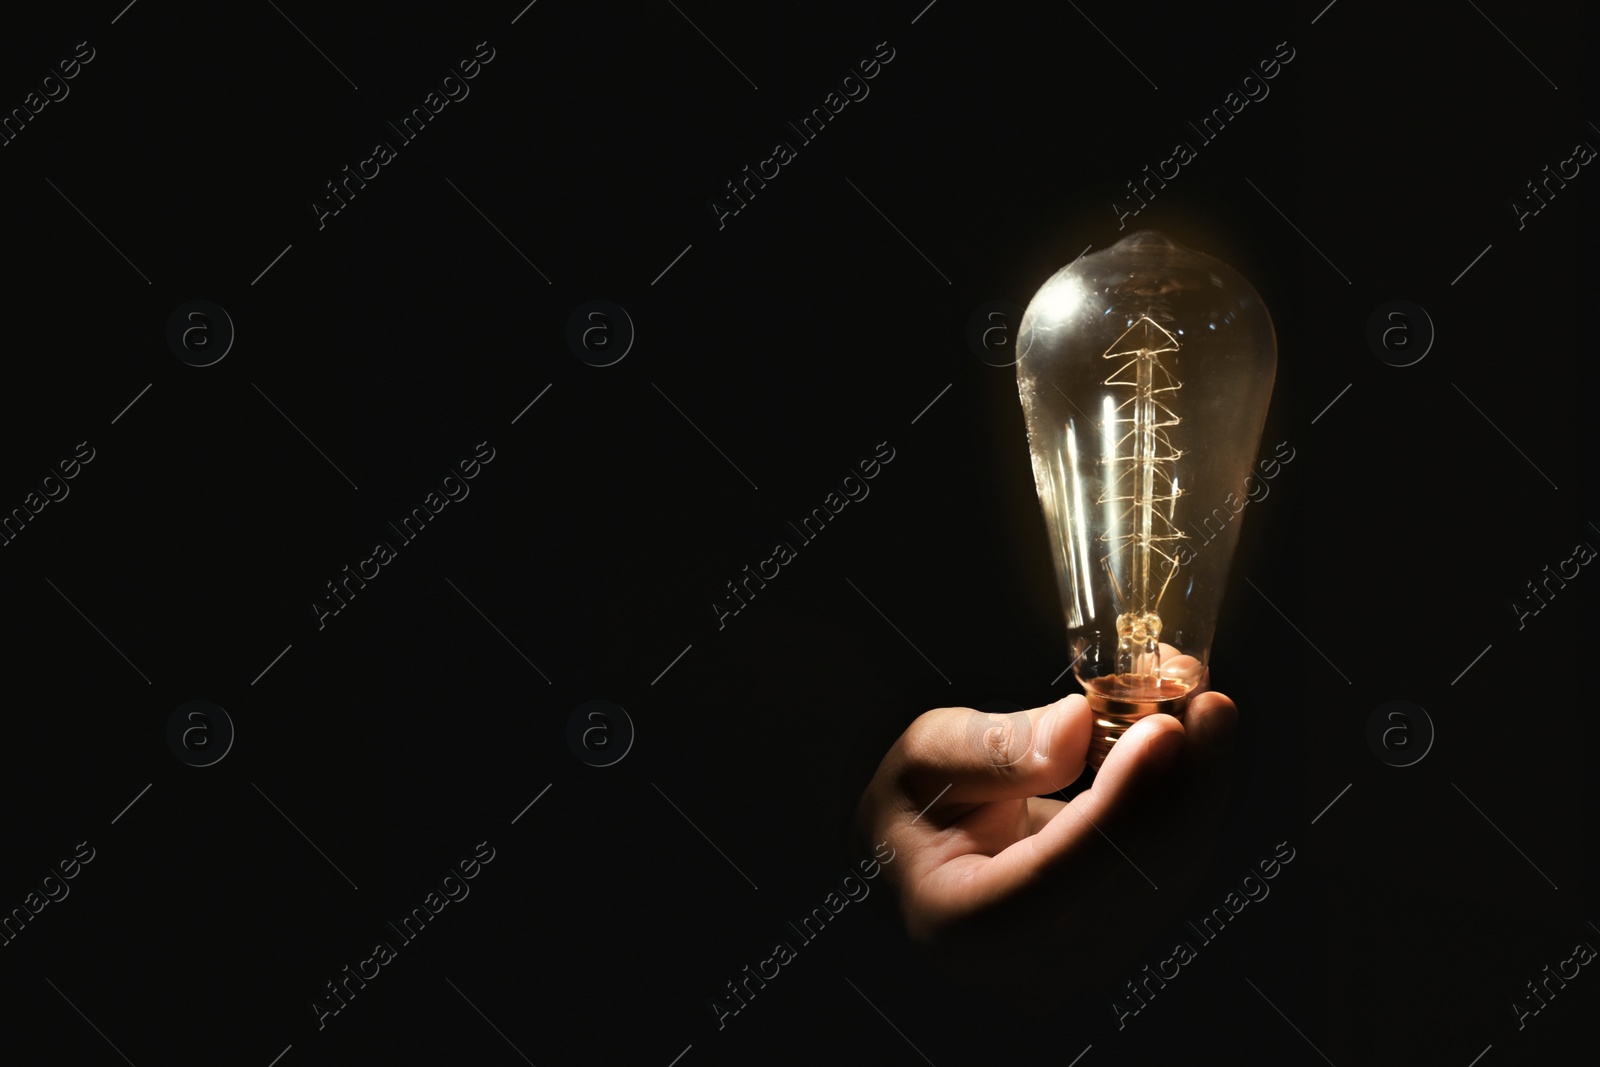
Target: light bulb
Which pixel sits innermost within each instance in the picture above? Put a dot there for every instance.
(1144, 372)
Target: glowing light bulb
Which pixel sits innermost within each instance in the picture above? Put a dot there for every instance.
(1144, 372)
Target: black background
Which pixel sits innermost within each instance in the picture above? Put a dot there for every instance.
(796, 338)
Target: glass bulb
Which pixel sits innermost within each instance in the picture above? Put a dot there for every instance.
(1144, 372)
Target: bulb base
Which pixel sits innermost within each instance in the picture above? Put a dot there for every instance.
(1120, 700)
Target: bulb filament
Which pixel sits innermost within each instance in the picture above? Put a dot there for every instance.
(1142, 477)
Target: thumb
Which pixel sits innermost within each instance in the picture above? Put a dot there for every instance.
(960, 756)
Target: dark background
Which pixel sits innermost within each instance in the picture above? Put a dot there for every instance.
(415, 724)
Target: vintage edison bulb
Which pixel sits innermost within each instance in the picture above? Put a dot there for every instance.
(1144, 372)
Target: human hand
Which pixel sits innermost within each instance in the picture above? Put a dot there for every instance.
(994, 880)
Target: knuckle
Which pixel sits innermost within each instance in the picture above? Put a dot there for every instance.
(1004, 740)
(997, 741)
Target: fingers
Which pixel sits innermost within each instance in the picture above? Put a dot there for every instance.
(952, 758)
(1214, 718)
(1149, 746)
(1041, 810)
(1140, 770)
(957, 757)
(1183, 668)
(1065, 853)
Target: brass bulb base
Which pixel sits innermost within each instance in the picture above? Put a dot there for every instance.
(1120, 700)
